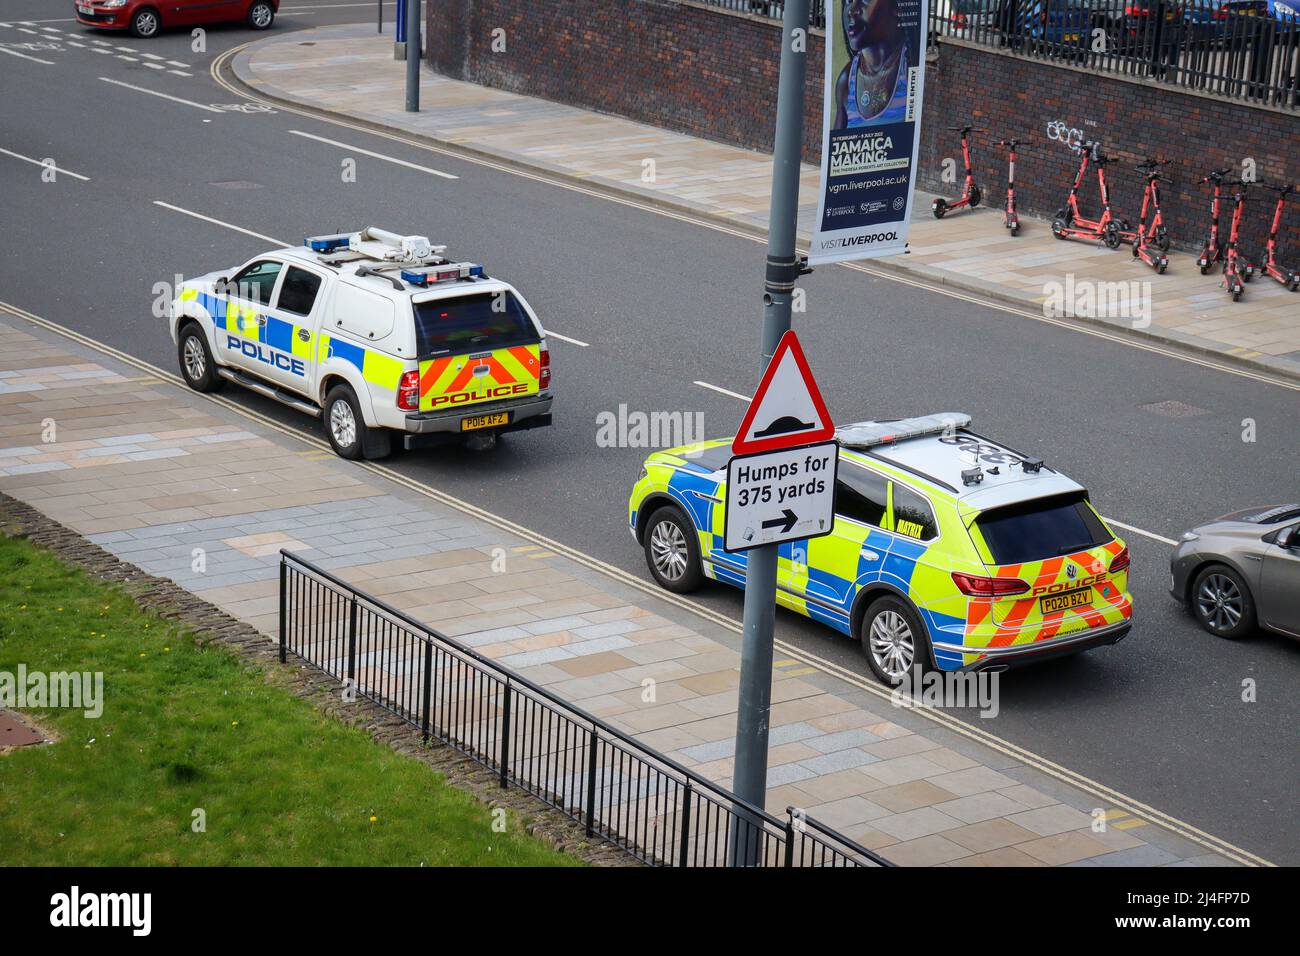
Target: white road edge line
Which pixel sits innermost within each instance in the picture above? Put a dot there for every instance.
(987, 739)
(218, 222)
(37, 162)
(366, 152)
(165, 96)
(564, 338)
(1119, 524)
(24, 56)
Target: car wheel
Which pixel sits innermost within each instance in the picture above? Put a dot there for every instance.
(894, 640)
(145, 23)
(346, 429)
(672, 550)
(1222, 603)
(197, 367)
(261, 15)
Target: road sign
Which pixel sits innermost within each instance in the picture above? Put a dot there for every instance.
(787, 409)
(777, 496)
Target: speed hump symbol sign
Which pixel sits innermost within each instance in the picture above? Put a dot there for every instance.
(778, 496)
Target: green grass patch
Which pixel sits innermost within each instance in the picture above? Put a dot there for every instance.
(188, 728)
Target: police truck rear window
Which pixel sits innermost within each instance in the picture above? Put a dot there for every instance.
(475, 323)
(1046, 528)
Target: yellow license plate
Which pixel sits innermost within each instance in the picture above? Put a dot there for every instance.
(1066, 600)
(484, 421)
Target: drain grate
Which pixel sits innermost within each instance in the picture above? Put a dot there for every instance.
(236, 184)
(14, 733)
(1174, 409)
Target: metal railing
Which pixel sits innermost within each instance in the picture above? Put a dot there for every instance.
(1233, 48)
(1240, 49)
(620, 790)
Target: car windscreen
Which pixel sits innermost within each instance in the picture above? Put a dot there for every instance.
(472, 323)
(1044, 528)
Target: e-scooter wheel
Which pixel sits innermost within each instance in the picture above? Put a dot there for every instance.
(1203, 266)
(939, 207)
(1065, 214)
(975, 196)
(1111, 236)
(1236, 294)
(1162, 239)
(1059, 226)
(1295, 281)
(1161, 265)
(1015, 229)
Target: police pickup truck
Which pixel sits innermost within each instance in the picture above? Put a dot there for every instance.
(379, 334)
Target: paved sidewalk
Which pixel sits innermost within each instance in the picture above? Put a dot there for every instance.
(187, 489)
(349, 70)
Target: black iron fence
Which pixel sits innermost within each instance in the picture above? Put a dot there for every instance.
(620, 790)
(1240, 49)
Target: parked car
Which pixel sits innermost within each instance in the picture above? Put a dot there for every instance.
(1242, 570)
(144, 18)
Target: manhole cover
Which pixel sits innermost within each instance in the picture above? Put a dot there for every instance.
(237, 184)
(14, 733)
(1173, 409)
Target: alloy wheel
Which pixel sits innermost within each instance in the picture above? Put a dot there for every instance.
(195, 361)
(1219, 602)
(668, 550)
(892, 646)
(343, 425)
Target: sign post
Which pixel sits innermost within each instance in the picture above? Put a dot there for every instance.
(780, 487)
(412, 56)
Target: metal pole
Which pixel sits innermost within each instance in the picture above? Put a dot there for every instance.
(749, 781)
(379, 16)
(412, 56)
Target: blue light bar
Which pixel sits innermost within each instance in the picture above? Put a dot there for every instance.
(443, 273)
(327, 243)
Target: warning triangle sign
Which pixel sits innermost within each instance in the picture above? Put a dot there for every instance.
(787, 410)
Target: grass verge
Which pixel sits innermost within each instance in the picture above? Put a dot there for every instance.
(189, 728)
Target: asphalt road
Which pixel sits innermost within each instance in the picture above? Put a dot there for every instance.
(663, 304)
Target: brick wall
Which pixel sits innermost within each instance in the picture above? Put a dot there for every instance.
(711, 73)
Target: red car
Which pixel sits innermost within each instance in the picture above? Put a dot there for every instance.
(144, 18)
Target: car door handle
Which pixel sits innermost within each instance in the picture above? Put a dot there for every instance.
(261, 320)
(700, 494)
(1254, 557)
(869, 554)
(304, 335)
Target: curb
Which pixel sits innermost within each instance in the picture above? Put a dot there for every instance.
(235, 62)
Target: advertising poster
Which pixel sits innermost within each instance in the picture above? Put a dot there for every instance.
(875, 70)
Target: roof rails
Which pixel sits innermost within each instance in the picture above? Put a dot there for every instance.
(871, 434)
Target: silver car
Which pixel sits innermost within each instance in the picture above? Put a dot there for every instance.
(1242, 570)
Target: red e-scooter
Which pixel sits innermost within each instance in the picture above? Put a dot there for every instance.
(1213, 251)
(1009, 217)
(1288, 277)
(1233, 263)
(970, 194)
(1069, 223)
(1151, 239)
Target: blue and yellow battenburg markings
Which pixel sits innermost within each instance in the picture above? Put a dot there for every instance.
(285, 349)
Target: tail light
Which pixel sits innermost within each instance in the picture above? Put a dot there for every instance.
(408, 391)
(1120, 563)
(544, 377)
(977, 586)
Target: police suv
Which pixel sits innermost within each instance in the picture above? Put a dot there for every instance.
(375, 332)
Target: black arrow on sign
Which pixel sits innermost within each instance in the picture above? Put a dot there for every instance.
(785, 523)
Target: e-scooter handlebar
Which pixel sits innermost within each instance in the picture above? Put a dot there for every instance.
(1216, 176)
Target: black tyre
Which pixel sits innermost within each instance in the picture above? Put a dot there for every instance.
(975, 196)
(939, 207)
(145, 23)
(1059, 226)
(672, 550)
(261, 15)
(1111, 236)
(1162, 239)
(346, 429)
(1295, 282)
(1015, 230)
(1162, 265)
(894, 640)
(197, 367)
(1065, 215)
(1204, 267)
(1222, 602)
(1236, 295)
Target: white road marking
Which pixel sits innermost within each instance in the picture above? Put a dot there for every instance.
(99, 42)
(154, 66)
(328, 6)
(100, 49)
(52, 29)
(151, 56)
(25, 30)
(129, 59)
(564, 338)
(183, 66)
(76, 44)
(1119, 524)
(165, 96)
(182, 73)
(24, 56)
(37, 162)
(723, 391)
(218, 222)
(366, 152)
(125, 49)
